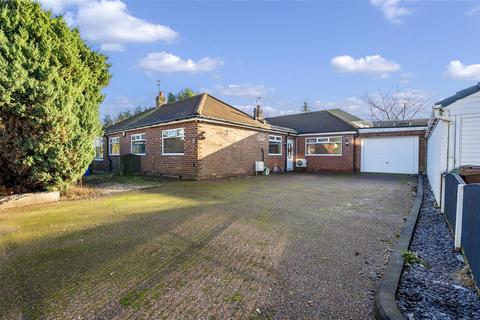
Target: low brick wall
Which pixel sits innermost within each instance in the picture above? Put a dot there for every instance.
(28, 199)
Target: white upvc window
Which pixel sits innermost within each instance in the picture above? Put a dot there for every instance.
(137, 145)
(323, 146)
(98, 145)
(114, 146)
(173, 142)
(275, 145)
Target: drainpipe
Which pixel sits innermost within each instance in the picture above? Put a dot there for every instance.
(286, 151)
(446, 119)
(108, 155)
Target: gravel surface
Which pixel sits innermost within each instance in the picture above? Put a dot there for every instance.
(339, 245)
(442, 289)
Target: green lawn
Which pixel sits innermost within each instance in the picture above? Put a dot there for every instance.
(184, 250)
(133, 252)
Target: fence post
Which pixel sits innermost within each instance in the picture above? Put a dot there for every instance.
(459, 215)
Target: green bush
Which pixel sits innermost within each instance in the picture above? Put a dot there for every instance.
(50, 92)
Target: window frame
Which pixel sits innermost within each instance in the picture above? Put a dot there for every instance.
(163, 142)
(110, 146)
(324, 142)
(275, 139)
(95, 145)
(137, 140)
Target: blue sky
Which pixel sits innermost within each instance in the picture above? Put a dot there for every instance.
(328, 53)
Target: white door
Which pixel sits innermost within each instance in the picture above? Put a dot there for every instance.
(390, 155)
(289, 155)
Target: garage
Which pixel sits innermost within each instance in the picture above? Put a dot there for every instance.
(390, 154)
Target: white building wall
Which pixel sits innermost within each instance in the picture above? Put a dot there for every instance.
(454, 142)
(437, 157)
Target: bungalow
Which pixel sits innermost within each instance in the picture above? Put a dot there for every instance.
(453, 137)
(204, 137)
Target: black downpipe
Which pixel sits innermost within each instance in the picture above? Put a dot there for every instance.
(286, 146)
(108, 155)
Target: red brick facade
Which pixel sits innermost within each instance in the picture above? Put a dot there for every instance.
(232, 151)
(213, 150)
(315, 163)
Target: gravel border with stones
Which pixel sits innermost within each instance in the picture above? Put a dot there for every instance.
(440, 287)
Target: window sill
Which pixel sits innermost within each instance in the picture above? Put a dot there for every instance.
(173, 154)
(97, 159)
(139, 154)
(114, 155)
(323, 155)
(274, 154)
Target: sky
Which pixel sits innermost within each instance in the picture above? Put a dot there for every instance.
(327, 53)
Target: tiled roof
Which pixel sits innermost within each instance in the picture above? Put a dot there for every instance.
(334, 120)
(183, 109)
(203, 106)
(208, 107)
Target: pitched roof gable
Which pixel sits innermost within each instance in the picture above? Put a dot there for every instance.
(333, 120)
(202, 105)
(169, 112)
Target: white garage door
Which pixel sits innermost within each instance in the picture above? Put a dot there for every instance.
(390, 155)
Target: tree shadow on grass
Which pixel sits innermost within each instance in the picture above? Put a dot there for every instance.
(32, 273)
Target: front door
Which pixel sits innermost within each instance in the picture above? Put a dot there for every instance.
(289, 155)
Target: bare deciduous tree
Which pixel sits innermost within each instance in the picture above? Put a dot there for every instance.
(395, 104)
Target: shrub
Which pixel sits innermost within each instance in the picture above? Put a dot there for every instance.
(50, 92)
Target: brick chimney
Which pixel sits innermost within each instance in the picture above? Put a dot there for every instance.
(258, 113)
(160, 99)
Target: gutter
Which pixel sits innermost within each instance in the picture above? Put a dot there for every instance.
(200, 119)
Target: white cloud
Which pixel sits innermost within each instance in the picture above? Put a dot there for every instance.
(475, 10)
(167, 62)
(353, 105)
(392, 9)
(370, 64)
(242, 90)
(109, 23)
(356, 106)
(457, 70)
(406, 77)
(117, 104)
(111, 47)
(268, 111)
(59, 6)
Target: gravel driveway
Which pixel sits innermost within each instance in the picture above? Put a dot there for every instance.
(300, 246)
(342, 229)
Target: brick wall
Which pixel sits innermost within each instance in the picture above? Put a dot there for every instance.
(153, 162)
(421, 144)
(343, 163)
(230, 151)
